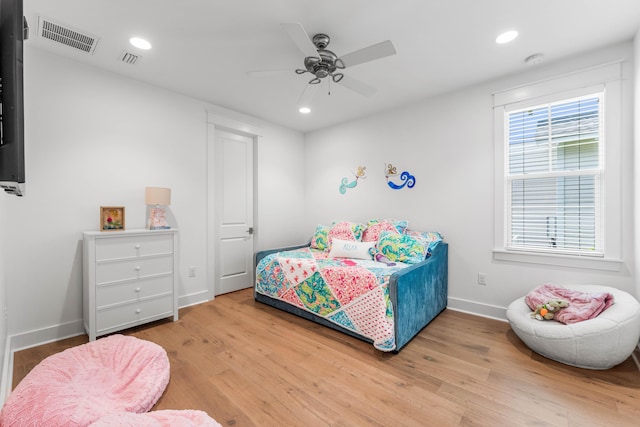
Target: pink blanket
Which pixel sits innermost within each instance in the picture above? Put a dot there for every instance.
(582, 305)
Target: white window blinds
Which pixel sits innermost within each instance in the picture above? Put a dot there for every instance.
(554, 174)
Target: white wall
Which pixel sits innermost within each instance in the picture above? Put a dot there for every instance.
(97, 139)
(447, 143)
(281, 190)
(636, 156)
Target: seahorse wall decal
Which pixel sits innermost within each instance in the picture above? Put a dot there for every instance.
(407, 179)
(345, 181)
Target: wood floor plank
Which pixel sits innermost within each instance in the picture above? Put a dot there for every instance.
(248, 364)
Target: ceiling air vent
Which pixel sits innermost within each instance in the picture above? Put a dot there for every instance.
(67, 36)
(129, 58)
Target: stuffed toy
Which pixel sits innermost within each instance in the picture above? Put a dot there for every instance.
(547, 311)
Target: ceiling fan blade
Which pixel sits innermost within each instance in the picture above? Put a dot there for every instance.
(357, 86)
(307, 95)
(300, 38)
(375, 51)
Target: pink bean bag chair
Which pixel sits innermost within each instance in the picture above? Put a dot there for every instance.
(85, 383)
(164, 418)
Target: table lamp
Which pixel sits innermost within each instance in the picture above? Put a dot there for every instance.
(157, 197)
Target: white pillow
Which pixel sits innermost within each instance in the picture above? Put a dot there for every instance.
(350, 249)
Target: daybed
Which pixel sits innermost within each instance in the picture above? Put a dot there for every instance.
(398, 302)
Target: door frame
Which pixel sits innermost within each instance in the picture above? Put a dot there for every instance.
(239, 126)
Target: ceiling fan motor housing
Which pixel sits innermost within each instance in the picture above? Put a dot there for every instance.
(324, 66)
(321, 41)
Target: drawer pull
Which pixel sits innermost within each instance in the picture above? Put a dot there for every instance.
(137, 246)
(137, 289)
(138, 311)
(137, 268)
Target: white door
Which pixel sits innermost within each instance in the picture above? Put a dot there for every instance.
(235, 212)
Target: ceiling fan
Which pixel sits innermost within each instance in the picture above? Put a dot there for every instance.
(322, 63)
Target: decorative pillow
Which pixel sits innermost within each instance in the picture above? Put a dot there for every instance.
(345, 230)
(320, 239)
(399, 224)
(429, 238)
(372, 233)
(402, 247)
(351, 249)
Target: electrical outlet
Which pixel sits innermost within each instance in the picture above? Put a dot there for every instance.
(192, 271)
(482, 279)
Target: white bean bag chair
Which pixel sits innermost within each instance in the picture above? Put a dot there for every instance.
(599, 343)
(163, 418)
(85, 383)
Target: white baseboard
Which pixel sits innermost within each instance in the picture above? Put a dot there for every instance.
(477, 309)
(46, 335)
(71, 329)
(193, 299)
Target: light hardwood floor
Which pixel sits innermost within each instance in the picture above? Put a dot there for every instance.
(247, 364)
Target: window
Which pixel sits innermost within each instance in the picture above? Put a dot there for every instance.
(558, 170)
(554, 175)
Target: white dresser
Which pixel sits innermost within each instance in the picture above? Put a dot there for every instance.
(129, 278)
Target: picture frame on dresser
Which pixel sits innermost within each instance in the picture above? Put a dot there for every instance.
(111, 218)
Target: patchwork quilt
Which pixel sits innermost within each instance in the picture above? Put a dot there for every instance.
(352, 293)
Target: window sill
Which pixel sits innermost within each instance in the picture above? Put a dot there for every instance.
(607, 264)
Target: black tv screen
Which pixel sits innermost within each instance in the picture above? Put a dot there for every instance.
(13, 31)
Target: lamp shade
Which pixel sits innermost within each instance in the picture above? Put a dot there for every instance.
(157, 196)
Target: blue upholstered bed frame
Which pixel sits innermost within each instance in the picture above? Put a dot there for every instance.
(418, 294)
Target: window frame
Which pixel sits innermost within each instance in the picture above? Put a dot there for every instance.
(597, 173)
(607, 79)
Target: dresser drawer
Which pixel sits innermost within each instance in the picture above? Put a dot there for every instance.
(123, 316)
(133, 246)
(108, 272)
(132, 291)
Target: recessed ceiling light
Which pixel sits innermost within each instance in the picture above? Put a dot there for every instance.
(506, 37)
(140, 43)
(305, 110)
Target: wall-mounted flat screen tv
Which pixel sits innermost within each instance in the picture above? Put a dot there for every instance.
(13, 32)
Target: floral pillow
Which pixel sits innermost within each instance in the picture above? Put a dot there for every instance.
(373, 231)
(399, 224)
(401, 247)
(346, 230)
(320, 239)
(429, 238)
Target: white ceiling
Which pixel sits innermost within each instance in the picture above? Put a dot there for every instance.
(204, 48)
